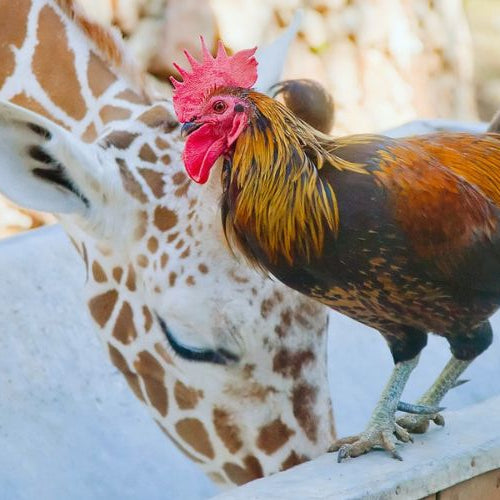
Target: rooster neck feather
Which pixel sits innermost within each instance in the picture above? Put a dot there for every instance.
(274, 194)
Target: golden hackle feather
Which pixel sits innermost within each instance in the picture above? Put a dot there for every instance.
(282, 198)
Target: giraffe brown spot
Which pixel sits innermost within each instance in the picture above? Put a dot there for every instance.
(101, 306)
(186, 397)
(216, 477)
(130, 283)
(148, 318)
(130, 183)
(189, 231)
(164, 354)
(163, 260)
(280, 331)
(161, 143)
(303, 401)
(179, 178)
(203, 268)
(171, 237)
(99, 76)
(273, 436)
(292, 460)
(241, 475)
(155, 116)
(179, 244)
(302, 320)
(124, 329)
(286, 320)
(193, 432)
(142, 225)
(251, 390)
(153, 376)
(98, 272)
(110, 113)
(131, 96)
(172, 277)
(32, 104)
(90, 133)
(13, 24)
(180, 192)
(154, 180)
(286, 317)
(62, 86)
(266, 307)
(152, 244)
(132, 379)
(165, 159)
(190, 281)
(142, 260)
(117, 274)
(290, 364)
(248, 370)
(147, 154)
(119, 139)
(227, 430)
(237, 278)
(179, 446)
(164, 218)
(185, 253)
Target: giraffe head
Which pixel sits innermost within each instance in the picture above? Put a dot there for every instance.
(232, 365)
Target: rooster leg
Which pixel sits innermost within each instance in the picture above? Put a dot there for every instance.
(447, 379)
(382, 429)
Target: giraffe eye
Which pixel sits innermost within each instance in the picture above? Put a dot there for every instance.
(219, 106)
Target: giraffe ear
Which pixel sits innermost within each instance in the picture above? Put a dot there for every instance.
(43, 166)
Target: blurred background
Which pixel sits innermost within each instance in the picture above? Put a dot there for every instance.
(384, 61)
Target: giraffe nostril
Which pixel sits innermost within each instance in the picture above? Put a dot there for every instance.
(219, 356)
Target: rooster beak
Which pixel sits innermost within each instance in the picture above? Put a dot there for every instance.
(189, 127)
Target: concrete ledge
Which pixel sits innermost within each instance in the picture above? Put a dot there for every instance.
(469, 445)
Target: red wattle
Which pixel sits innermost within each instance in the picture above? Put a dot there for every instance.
(201, 151)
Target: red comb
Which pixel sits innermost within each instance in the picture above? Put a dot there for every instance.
(238, 70)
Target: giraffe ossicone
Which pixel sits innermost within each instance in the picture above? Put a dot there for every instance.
(231, 365)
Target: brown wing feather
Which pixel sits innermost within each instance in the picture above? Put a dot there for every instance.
(445, 189)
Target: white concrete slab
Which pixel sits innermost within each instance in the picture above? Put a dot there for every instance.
(469, 445)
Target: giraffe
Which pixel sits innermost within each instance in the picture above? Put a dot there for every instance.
(231, 365)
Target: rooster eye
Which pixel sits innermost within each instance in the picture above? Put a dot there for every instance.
(219, 106)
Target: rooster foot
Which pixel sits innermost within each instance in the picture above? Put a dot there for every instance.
(375, 436)
(419, 424)
(447, 379)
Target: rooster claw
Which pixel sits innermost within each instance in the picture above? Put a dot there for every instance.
(416, 409)
(460, 382)
(418, 424)
(373, 437)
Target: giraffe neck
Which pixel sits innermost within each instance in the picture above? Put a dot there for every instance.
(160, 253)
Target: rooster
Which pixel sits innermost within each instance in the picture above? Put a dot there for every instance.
(399, 234)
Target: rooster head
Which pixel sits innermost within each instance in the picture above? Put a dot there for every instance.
(211, 103)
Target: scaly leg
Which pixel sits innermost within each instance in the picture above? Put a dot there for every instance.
(447, 379)
(382, 427)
